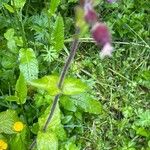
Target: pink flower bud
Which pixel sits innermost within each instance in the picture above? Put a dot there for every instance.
(90, 16)
(101, 34)
(106, 50)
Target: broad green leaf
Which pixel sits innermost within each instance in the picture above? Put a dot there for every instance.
(8, 61)
(7, 120)
(18, 40)
(53, 6)
(74, 86)
(47, 141)
(48, 83)
(9, 34)
(18, 3)
(87, 103)
(18, 141)
(11, 44)
(28, 64)
(8, 7)
(68, 103)
(71, 86)
(21, 90)
(55, 124)
(58, 34)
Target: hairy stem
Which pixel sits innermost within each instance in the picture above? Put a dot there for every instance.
(61, 81)
(62, 77)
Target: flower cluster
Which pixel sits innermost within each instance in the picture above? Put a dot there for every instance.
(99, 30)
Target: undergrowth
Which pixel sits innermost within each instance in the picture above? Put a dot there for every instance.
(104, 103)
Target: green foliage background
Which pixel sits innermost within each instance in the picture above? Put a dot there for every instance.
(105, 103)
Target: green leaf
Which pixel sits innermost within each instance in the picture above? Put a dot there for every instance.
(9, 34)
(18, 3)
(47, 141)
(8, 7)
(144, 79)
(53, 6)
(58, 34)
(55, 125)
(68, 103)
(144, 119)
(35, 128)
(28, 64)
(18, 141)
(12, 98)
(142, 131)
(87, 103)
(8, 61)
(21, 90)
(7, 120)
(74, 86)
(71, 86)
(11, 44)
(48, 83)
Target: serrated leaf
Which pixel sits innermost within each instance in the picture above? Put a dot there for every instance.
(74, 86)
(58, 34)
(47, 141)
(67, 103)
(71, 86)
(53, 6)
(8, 7)
(87, 103)
(21, 90)
(18, 3)
(144, 119)
(48, 83)
(55, 124)
(28, 64)
(7, 120)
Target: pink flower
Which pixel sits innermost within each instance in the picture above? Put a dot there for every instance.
(106, 50)
(101, 34)
(90, 14)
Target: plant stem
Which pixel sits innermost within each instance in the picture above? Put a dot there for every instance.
(61, 81)
(62, 77)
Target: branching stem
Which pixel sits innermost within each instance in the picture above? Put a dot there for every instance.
(61, 81)
(62, 77)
